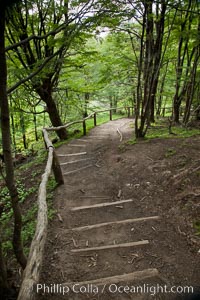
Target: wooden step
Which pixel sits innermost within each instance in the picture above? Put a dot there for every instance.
(76, 145)
(82, 140)
(98, 136)
(133, 277)
(77, 170)
(88, 227)
(74, 161)
(105, 204)
(107, 247)
(72, 154)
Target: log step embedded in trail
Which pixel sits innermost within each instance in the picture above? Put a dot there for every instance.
(82, 140)
(72, 154)
(105, 204)
(98, 136)
(74, 161)
(76, 145)
(77, 170)
(133, 277)
(107, 247)
(88, 227)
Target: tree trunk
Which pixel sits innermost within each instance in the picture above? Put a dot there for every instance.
(86, 101)
(152, 52)
(160, 99)
(45, 92)
(157, 53)
(176, 111)
(35, 125)
(182, 51)
(13, 128)
(147, 70)
(192, 85)
(139, 81)
(6, 145)
(23, 129)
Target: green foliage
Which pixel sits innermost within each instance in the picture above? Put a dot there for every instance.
(7, 215)
(30, 217)
(5, 199)
(29, 223)
(163, 132)
(37, 160)
(51, 186)
(93, 71)
(170, 152)
(160, 130)
(132, 142)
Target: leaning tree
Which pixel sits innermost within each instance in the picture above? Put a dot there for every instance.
(41, 35)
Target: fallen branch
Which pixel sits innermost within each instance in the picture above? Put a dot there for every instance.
(60, 218)
(120, 134)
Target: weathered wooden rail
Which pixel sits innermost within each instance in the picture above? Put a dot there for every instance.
(92, 115)
(32, 271)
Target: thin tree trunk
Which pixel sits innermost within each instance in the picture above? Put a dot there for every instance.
(191, 89)
(45, 92)
(139, 81)
(86, 101)
(148, 69)
(6, 144)
(158, 112)
(35, 125)
(157, 53)
(13, 127)
(182, 50)
(23, 129)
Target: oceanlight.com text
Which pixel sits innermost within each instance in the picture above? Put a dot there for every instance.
(112, 288)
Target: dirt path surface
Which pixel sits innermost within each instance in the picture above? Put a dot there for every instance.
(124, 217)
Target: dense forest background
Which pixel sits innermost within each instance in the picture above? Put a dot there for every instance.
(61, 60)
(66, 59)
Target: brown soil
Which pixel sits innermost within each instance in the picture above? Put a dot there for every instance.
(146, 173)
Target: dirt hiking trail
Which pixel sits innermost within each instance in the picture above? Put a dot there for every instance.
(124, 217)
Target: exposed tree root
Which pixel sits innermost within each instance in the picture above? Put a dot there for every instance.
(178, 177)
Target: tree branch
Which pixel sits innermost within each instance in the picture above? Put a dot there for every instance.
(30, 76)
(36, 37)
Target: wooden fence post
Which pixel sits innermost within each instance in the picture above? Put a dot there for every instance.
(110, 114)
(57, 169)
(95, 119)
(129, 112)
(84, 127)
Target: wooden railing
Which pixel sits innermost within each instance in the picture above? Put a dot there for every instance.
(32, 271)
(92, 115)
